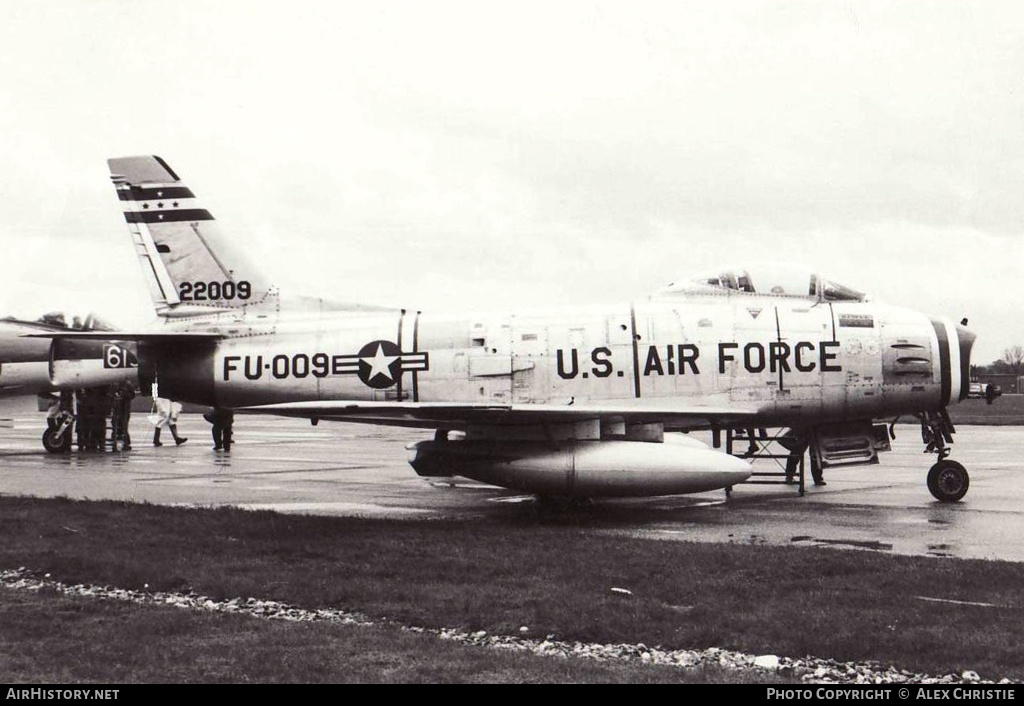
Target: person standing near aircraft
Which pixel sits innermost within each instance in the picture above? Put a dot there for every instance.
(104, 401)
(797, 447)
(121, 416)
(222, 421)
(83, 423)
(816, 473)
(165, 414)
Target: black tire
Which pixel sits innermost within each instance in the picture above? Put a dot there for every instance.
(948, 481)
(56, 441)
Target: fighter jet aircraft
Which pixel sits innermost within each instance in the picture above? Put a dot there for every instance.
(568, 402)
(30, 364)
(24, 368)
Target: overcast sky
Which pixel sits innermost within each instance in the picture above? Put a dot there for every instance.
(445, 155)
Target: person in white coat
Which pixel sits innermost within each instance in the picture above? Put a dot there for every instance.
(165, 414)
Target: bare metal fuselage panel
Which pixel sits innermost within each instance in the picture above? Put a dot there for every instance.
(685, 360)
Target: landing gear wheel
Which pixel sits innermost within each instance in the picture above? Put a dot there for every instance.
(57, 442)
(948, 481)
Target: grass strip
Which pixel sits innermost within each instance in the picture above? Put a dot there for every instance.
(53, 639)
(500, 575)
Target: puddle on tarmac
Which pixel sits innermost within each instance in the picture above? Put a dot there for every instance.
(873, 545)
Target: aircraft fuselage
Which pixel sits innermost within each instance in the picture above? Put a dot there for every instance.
(794, 360)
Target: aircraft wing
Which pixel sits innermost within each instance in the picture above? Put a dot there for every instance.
(459, 416)
(150, 336)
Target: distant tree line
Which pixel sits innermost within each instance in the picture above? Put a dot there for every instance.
(1012, 363)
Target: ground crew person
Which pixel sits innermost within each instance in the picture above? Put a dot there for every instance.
(83, 422)
(121, 417)
(796, 454)
(165, 414)
(816, 473)
(222, 421)
(797, 447)
(103, 401)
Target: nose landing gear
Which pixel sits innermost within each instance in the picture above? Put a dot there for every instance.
(948, 480)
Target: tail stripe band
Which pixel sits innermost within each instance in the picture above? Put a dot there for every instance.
(138, 193)
(168, 216)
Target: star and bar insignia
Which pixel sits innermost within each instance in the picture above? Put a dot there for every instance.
(380, 364)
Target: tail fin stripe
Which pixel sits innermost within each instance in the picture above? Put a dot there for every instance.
(168, 216)
(152, 194)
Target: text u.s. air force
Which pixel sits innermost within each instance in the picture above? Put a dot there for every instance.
(685, 358)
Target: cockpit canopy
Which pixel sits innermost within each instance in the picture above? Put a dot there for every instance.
(770, 279)
(60, 319)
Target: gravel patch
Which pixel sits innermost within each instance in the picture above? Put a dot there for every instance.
(806, 669)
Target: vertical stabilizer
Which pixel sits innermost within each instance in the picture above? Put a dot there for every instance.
(192, 268)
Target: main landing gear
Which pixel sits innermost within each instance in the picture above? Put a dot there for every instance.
(57, 437)
(948, 480)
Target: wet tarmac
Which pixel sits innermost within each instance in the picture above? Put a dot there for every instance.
(342, 469)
